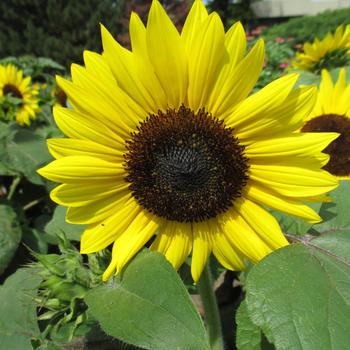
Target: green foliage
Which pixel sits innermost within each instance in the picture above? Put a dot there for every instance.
(18, 320)
(39, 69)
(22, 151)
(57, 29)
(65, 281)
(336, 213)
(333, 59)
(58, 224)
(231, 11)
(278, 55)
(307, 28)
(10, 235)
(26, 152)
(299, 296)
(144, 313)
(248, 335)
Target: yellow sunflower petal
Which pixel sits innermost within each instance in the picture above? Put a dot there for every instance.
(235, 43)
(98, 209)
(266, 196)
(112, 265)
(122, 63)
(76, 169)
(226, 253)
(202, 247)
(97, 66)
(238, 84)
(76, 195)
(120, 108)
(60, 148)
(79, 126)
(265, 120)
(164, 237)
(262, 222)
(205, 57)
(193, 24)
(180, 246)
(99, 236)
(243, 237)
(167, 55)
(142, 64)
(293, 181)
(84, 101)
(135, 237)
(326, 92)
(304, 144)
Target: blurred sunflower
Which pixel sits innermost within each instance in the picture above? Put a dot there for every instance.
(14, 85)
(165, 143)
(331, 52)
(332, 114)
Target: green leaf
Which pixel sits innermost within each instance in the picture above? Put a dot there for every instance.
(58, 224)
(307, 78)
(248, 335)
(300, 295)
(335, 73)
(10, 235)
(336, 214)
(149, 307)
(18, 322)
(26, 153)
(5, 131)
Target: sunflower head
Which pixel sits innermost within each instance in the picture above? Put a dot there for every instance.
(167, 148)
(331, 52)
(18, 98)
(332, 114)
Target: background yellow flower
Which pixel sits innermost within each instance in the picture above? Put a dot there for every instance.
(332, 114)
(13, 83)
(331, 52)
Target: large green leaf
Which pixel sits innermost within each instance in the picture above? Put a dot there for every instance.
(149, 307)
(5, 131)
(300, 295)
(58, 224)
(248, 335)
(18, 322)
(26, 153)
(10, 235)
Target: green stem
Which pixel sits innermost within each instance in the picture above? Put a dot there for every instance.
(211, 310)
(13, 187)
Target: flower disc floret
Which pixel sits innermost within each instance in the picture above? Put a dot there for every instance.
(184, 166)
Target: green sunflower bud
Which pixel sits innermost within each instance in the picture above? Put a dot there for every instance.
(66, 279)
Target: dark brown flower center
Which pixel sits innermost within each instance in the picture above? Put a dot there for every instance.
(185, 166)
(12, 90)
(339, 149)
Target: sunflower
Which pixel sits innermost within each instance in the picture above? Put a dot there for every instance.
(166, 149)
(332, 114)
(331, 52)
(14, 84)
